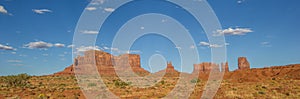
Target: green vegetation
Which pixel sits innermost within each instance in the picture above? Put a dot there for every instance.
(42, 96)
(121, 84)
(162, 82)
(196, 80)
(20, 80)
(92, 84)
(261, 92)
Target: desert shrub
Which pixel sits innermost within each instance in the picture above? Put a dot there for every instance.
(20, 80)
(288, 94)
(76, 95)
(261, 92)
(42, 96)
(196, 80)
(92, 84)
(162, 82)
(234, 89)
(264, 87)
(121, 84)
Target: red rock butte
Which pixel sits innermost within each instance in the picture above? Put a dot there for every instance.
(106, 64)
(206, 67)
(243, 63)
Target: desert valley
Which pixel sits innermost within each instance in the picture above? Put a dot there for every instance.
(281, 82)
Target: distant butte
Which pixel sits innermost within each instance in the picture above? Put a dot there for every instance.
(106, 63)
(243, 63)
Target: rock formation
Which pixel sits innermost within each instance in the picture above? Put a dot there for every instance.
(206, 67)
(105, 63)
(243, 63)
(67, 71)
(225, 67)
(170, 67)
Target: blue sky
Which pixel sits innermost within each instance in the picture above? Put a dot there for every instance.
(35, 34)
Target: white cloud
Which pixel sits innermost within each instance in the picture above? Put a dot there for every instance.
(106, 48)
(22, 55)
(18, 64)
(117, 50)
(59, 45)
(266, 44)
(109, 9)
(133, 51)
(70, 46)
(38, 45)
(41, 11)
(89, 32)
(204, 43)
(45, 54)
(65, 52)
(3, 10)
(63, 59)
(192, 47)
(86, 48)
(227, 44)
(142, 28)
(240, 1)
(97, 2)
(113, 49)
(5, 47)
(215, 46)
(177, 47)
(82, 49)
(42, 45)
(91, 8)
(14, 61)
(234, 31)
(211, 45)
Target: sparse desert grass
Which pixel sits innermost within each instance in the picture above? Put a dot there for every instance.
(20, 80)
(65, 87)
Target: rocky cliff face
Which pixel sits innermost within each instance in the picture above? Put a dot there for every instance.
(105, 63)
(170, 68)
(206, 67)
(243, 63)
(225, 67)
(67, 71)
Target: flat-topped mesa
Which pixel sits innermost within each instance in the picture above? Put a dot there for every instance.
(206, 67)
(243, 63)
(130, 59)
(103, 58)
(105, 62)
